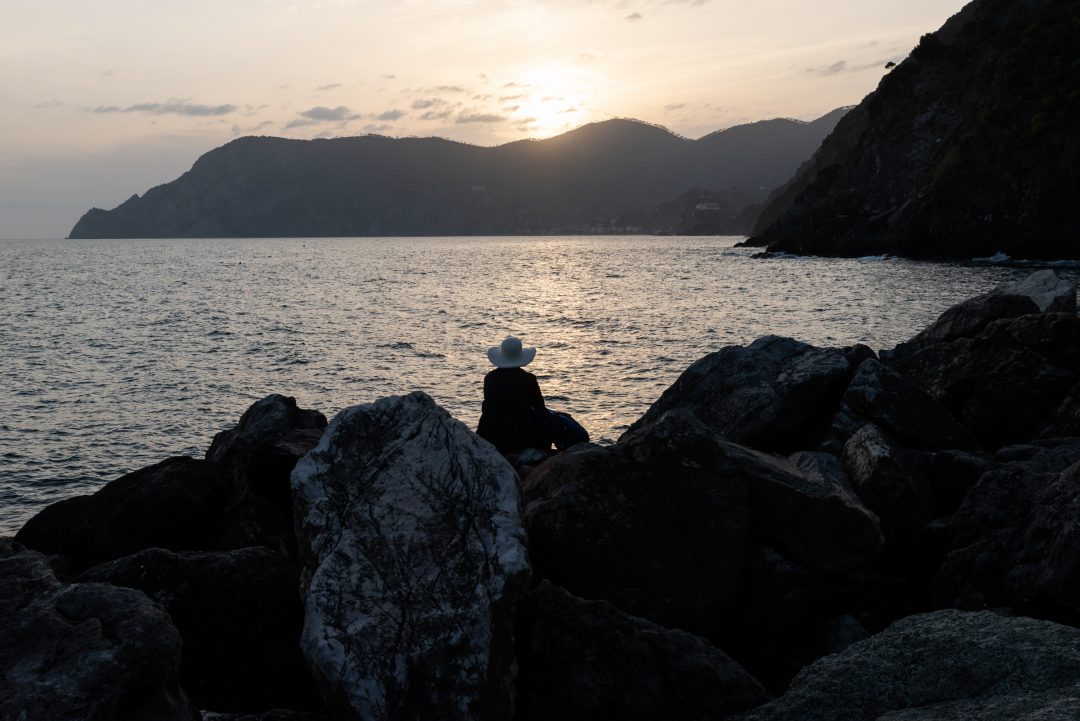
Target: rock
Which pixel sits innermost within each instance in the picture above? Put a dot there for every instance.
(1014, 542)
(588, 660)
(1005, 383)
(943, 665)
(176, 504)
(776, 394)
(239, 615)
(952, 474)
(413, 557)
(83, 651)
(880, 395)
(889, 482)
(273, 715)
(1065, 420)
(259, 453)
(1049, 291)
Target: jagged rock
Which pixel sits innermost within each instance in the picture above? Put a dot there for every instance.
(273, 715)
(1015, 542)
(657, 526)
(943, 665)
(588, 660)
(952, 474)
(880, 395)
(176, 504)
(1049, 291)
(1065, 420)
(776, 394)
(413, 557)
(889, 482)
(239, 615)
(83, 651)
(259, 453)
(1005, 383)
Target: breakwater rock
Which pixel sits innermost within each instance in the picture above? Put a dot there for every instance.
(790, 532)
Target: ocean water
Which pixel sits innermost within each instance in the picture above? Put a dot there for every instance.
(117, 354)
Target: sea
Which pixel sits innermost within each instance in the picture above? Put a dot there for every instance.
(116, 354)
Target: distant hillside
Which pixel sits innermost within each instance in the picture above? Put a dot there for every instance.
(968, 148)
(581, 181)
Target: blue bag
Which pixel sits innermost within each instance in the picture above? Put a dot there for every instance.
(563, 430)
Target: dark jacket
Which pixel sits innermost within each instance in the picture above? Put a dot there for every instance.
(513, 410)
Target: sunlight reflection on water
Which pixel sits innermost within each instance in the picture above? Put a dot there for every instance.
(118, 354)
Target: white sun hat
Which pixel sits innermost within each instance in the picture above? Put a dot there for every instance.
(510, 354)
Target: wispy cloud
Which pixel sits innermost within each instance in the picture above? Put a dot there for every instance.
(436, 115)
(329, 86)
(171, 107)
(391, 115)
(674, 106)
(49, 104)
(424, 103)
(479, 118)
(329, 115)
(634, 17)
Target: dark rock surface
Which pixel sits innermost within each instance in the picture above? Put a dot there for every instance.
(1006, 382)
(240, 617)
(889, 481)
(944, 665)
(588, 660)
(965, 149)
(259, 453)
(273, 715)
(880, 395)
(1015, 542)
(414, 555)
(776, 394)
(176, 504)
(577, 182)
(83, 651)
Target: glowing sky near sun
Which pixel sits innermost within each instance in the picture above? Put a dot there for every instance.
(99, 100)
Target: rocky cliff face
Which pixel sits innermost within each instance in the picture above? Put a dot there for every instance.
(579, 182)
(966, 149)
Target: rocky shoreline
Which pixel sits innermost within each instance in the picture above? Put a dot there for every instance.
(789, 533)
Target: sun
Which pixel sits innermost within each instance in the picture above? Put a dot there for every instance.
(548, 100)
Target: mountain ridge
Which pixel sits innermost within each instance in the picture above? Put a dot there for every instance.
(581, 181)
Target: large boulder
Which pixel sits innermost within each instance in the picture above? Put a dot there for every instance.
(1015, 542)
(776, 394)
(880, 395)
(588, 660)
(413, 557)
(176, 504)
(657, 524)
(83, 652)
(1008, 381)
(938, 666)
(240, 617)
(259, 454)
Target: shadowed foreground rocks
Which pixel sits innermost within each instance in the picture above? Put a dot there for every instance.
(829, 527)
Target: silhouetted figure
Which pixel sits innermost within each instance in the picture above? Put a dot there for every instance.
(513, 411)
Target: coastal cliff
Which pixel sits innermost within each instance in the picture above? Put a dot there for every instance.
(789, 533)
(578, 182)
(968, 148)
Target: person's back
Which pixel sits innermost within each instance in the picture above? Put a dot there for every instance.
(512, 413)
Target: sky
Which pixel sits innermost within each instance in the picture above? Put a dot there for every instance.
(103, 99)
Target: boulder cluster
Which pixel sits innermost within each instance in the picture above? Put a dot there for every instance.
(789, 533)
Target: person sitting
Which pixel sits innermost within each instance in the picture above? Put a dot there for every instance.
(513, 412)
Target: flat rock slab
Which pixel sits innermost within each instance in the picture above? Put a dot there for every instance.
(938, 666)
(75, 652)
(413, 557)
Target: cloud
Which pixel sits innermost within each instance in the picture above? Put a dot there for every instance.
(391, 115)
(448, 89)
(507, 98)
(674, 106)
(479, 118)
(568, 110)
(390, 76)
(321, 114)
(436, 115)
(330, 86)
(373, 128)
(511, 108)
(516, 85)
(634, 17)
(424, 103)
(49, 104)
(171, 107)
(590, 57)
(241, 130)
